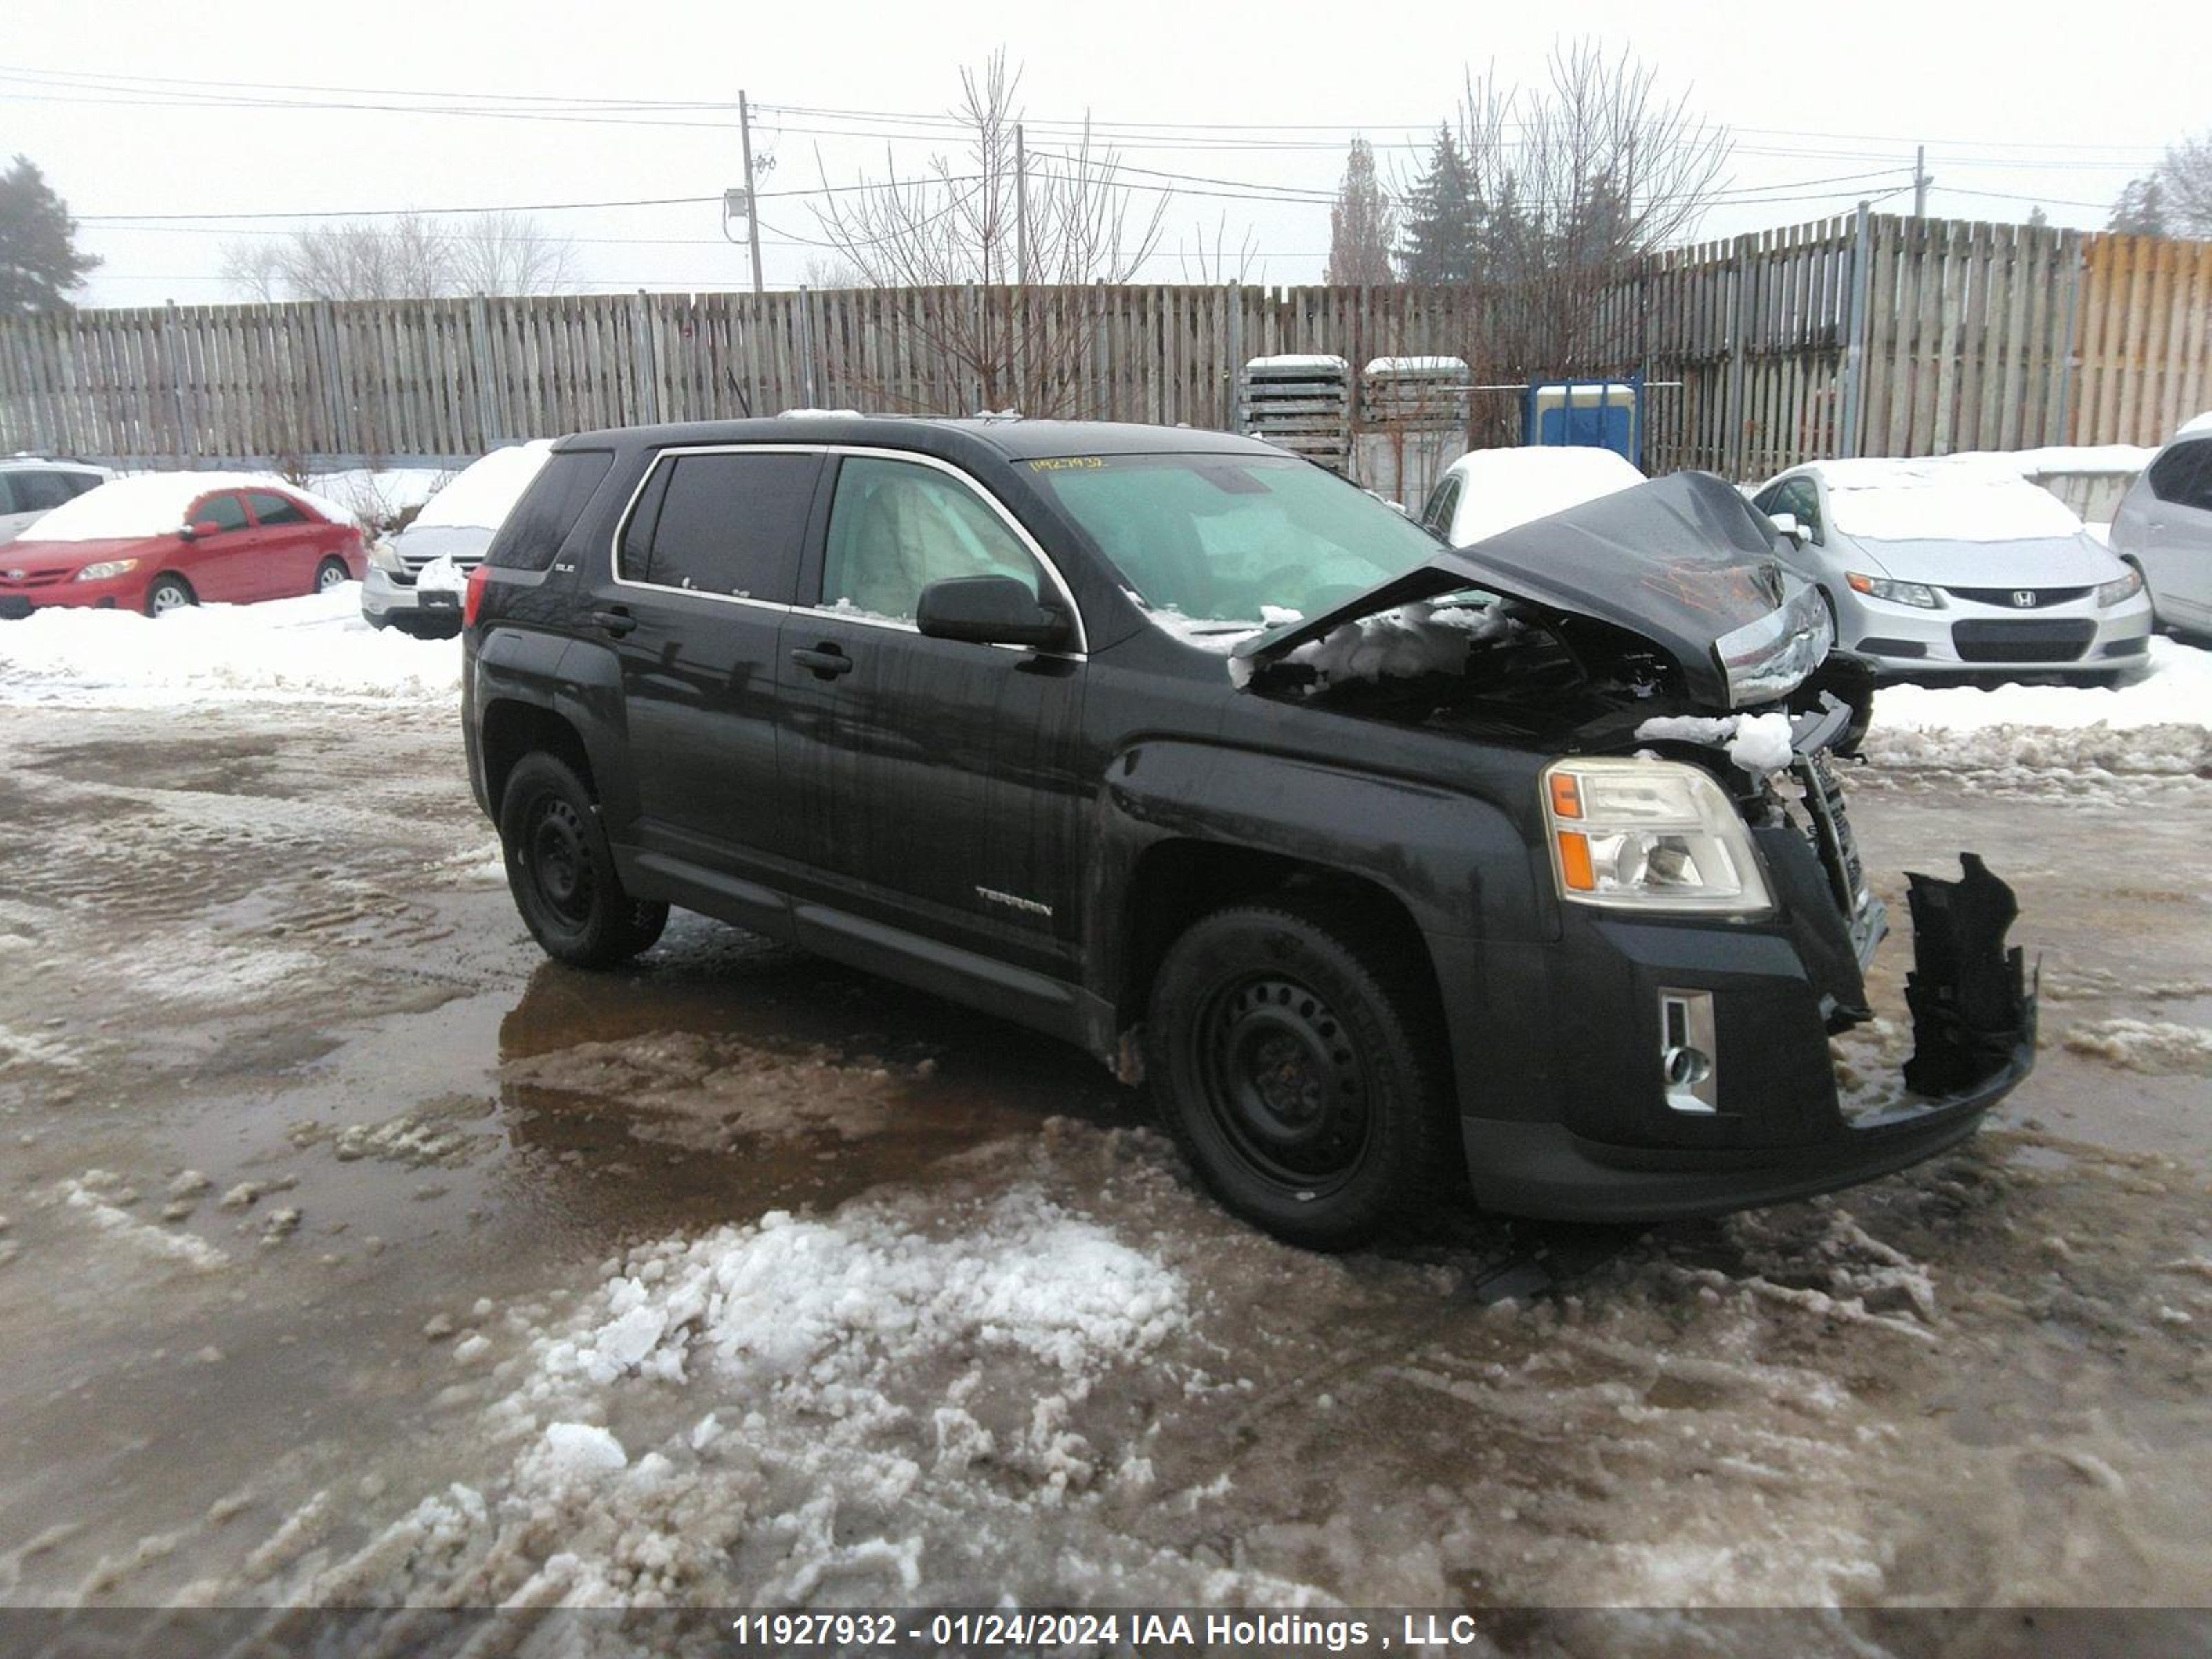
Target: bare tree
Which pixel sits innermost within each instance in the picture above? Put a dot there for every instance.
(821, 271)
(1363, 224)
(2174, 198)
(1215, 266)
(408, 256)
(1060, 217)
(508, 253)
(1575, 183)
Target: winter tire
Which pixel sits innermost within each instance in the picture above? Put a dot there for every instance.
(562, 872)
(1300, 1066)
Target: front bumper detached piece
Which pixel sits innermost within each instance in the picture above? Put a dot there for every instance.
(1972, 1009)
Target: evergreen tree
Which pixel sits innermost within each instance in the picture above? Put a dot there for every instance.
(1444, 219)
(2141, 210)
(1361, 223)
(39, 260)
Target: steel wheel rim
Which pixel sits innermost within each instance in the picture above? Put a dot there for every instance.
(1284, 1084)
(558, 860)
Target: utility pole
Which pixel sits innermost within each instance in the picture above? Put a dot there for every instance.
(1920, 182)
(752, 200)
(1021, 208)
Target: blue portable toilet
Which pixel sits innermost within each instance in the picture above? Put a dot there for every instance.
(1590, 414)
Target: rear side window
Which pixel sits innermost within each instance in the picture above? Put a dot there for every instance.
(271, 508)
(81, 482)
(2184, 475)
(726, 523)
(540, 522)
(1437, 516)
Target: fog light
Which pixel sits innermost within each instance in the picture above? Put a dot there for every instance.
(1687, 1066)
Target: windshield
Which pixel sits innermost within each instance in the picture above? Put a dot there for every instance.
(1234, 539)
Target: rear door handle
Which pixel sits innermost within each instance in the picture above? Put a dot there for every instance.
(825, 664)
(615, 620)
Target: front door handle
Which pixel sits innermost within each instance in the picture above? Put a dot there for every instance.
(825, 663)
(615, 620)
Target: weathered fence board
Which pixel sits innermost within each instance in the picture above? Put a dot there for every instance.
(1762, 350)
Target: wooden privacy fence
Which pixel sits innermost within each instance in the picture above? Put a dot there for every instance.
(1864, 334)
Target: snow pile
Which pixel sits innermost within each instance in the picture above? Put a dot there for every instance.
(1297, 362)
(314, 647)
(830, 1307)
(154, 504)
(818, 415)
(1503, 488)
(2160, 723)
(1947, 500)
(1758, 743)
(377, 497)
(2118, 460)
(481, 496)
(2144, 1045)
(1414, 639)
(442, 575)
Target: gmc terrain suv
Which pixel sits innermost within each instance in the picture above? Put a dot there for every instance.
(1382, 864)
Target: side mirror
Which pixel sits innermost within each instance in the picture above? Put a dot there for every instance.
(1786, 523)
(989, 610)
(192, 532)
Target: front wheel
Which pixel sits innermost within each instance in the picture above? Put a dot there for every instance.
(1299, 1062)
(562, 871)
(169, 594)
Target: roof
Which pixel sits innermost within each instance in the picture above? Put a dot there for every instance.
(997, 438)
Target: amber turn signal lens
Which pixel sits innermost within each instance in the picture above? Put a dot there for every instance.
(1575, 862)
(1566, 795)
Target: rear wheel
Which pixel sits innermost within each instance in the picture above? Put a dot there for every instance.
(169, 594)
(330, 573)
(562, 872)
(1299, 1062)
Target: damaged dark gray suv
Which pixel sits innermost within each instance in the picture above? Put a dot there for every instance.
(1392, 870)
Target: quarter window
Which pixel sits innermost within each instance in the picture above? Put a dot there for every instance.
(271, 508)
(894, 527)
(535, 530)
(728, 524)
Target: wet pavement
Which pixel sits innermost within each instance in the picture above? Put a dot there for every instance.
(317, 1178)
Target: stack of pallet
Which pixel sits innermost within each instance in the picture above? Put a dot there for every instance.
(1413, 422)
(1301, 403)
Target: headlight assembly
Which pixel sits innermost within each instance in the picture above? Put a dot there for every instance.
(107, 568)
(1649, 834)
(386, 557)
(2120, 587)
(1918, 594)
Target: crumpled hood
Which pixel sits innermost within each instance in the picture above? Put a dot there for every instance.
(1683, 561)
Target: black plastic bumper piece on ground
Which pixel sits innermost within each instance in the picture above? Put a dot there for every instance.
(1974, 1022)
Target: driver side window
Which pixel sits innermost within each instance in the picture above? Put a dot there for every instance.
(1801, 497)
(894, 527)
(223, 512)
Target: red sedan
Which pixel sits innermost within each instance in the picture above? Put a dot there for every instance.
(163, 540)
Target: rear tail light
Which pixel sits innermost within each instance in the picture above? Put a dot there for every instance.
(472, 595)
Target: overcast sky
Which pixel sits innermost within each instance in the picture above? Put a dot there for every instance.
(2018, 107)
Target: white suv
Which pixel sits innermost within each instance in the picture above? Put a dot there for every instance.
(32, 486)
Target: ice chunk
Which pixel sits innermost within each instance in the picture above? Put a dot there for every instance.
(584, 1448)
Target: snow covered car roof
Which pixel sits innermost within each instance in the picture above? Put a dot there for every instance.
(1683, 561)
(1503, 488)
(482, 494)
(1954, 499)
(154, 504)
